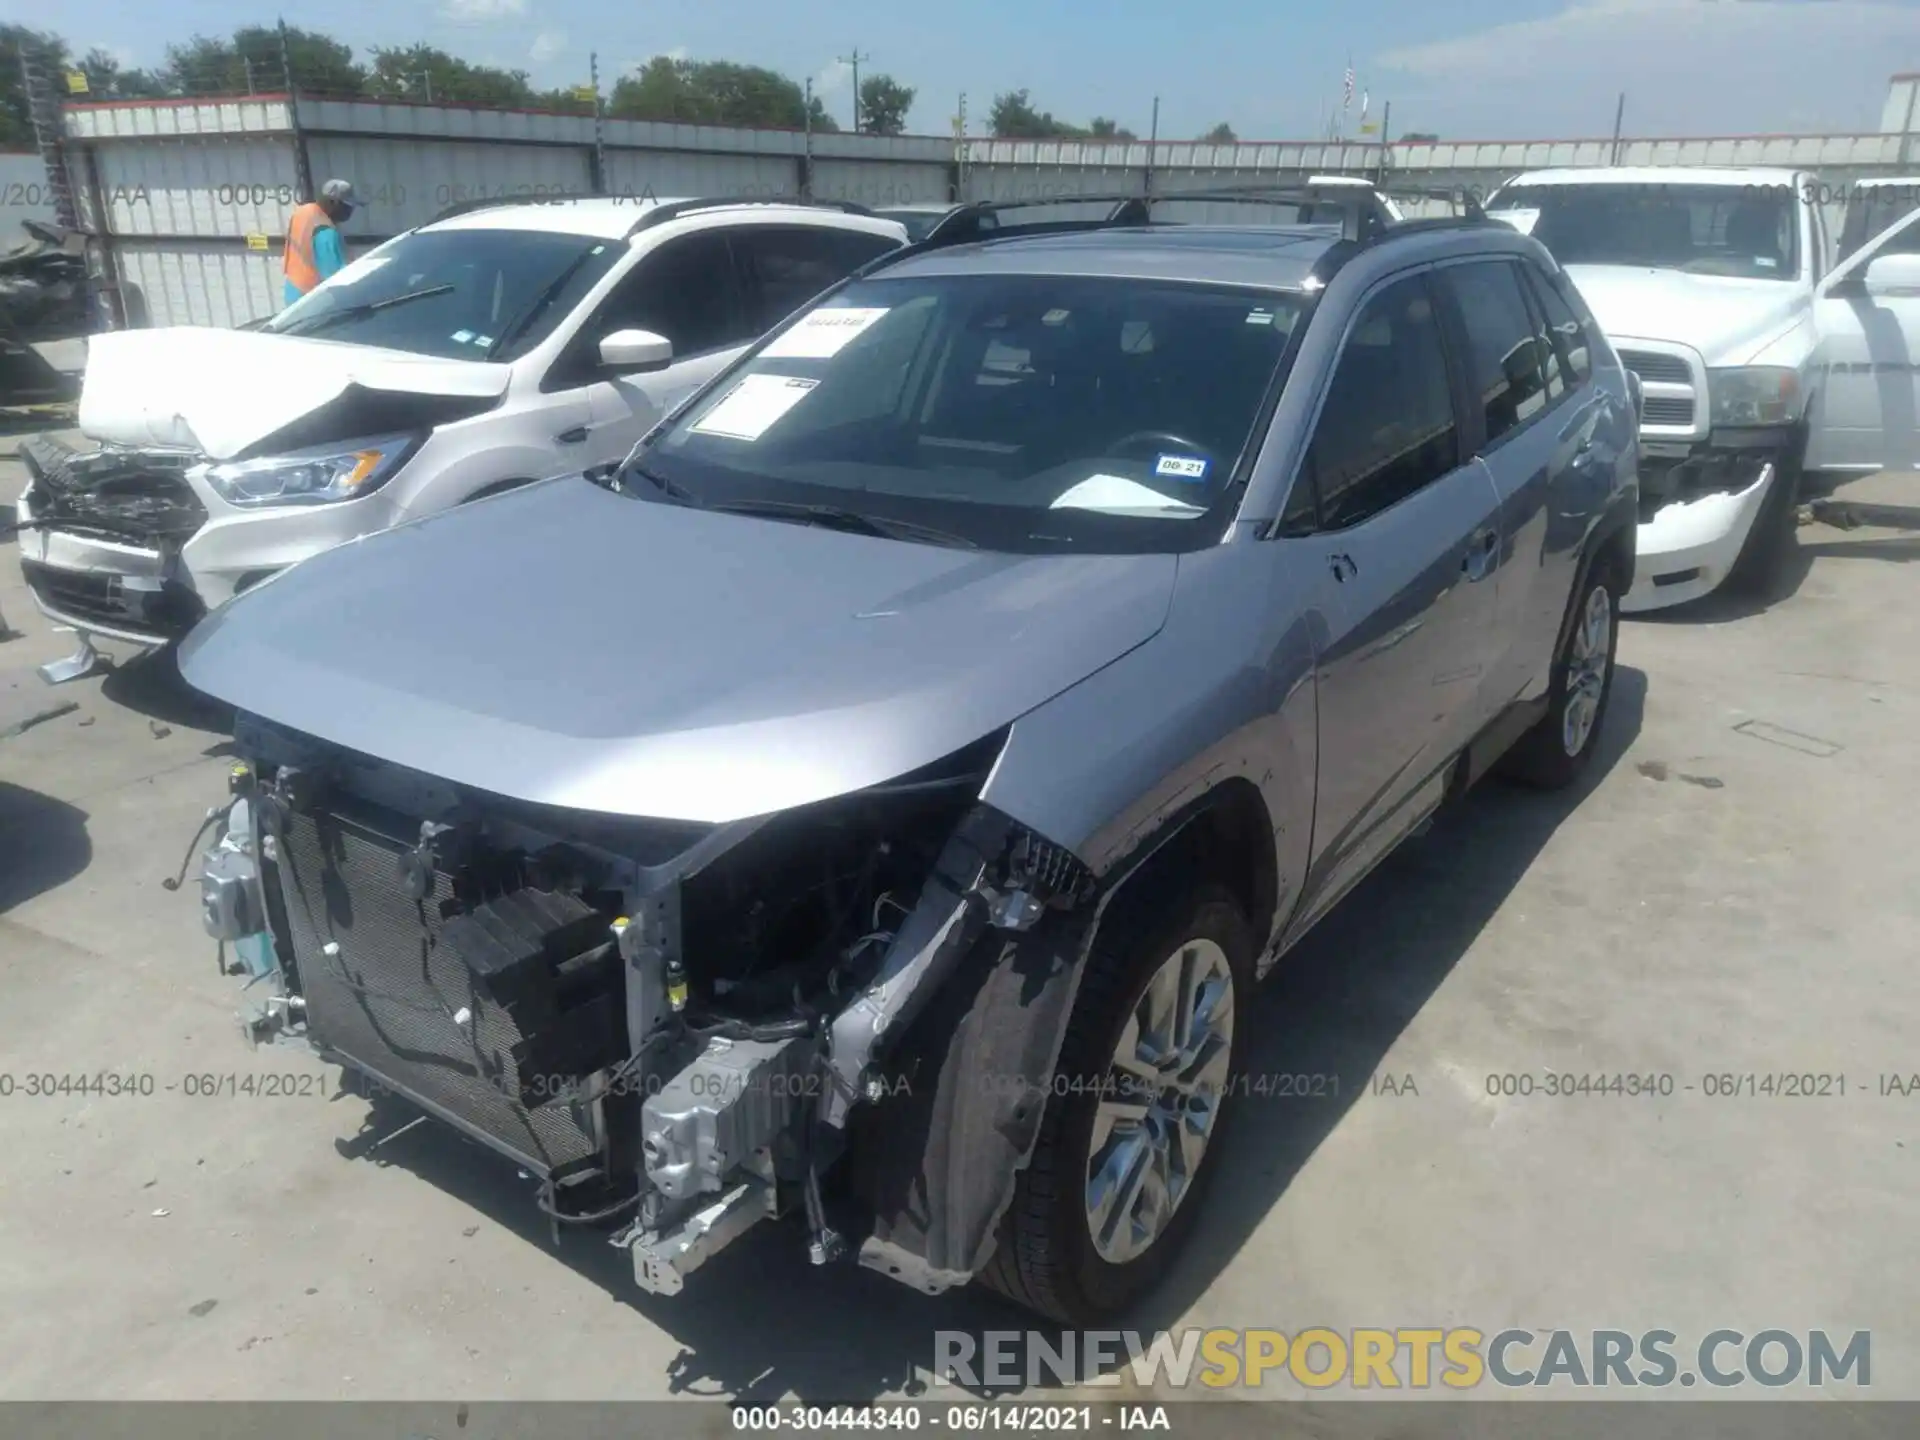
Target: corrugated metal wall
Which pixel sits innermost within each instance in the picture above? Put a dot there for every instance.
(669, 175)
(23, 194)
(193, 190)
(404, 185)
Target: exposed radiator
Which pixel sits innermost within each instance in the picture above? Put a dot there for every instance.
(390, 1001)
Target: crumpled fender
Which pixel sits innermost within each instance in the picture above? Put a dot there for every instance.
(968, 1086)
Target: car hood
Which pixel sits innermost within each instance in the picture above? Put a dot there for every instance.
(1725, 319)
(568, 646)
(225, 392)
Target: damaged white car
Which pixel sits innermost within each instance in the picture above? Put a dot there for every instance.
(488, 349)
(1758, 358)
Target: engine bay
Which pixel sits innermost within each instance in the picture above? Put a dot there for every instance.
(665, 1024)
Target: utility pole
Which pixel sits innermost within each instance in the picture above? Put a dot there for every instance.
(806, 156)
(1386, 139)
(854, 60)
(1619, 116)
(599, 125)
(958, 185)
(1153, 144)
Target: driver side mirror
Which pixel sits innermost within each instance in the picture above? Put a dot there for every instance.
(635, 350)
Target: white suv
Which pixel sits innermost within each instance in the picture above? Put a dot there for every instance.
(1757, 356)
(485, 350)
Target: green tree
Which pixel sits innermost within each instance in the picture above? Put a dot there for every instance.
(108, 80)
(250, 62)
(1221, 134)
(1013, 117)
(1101, 128)
(714, 92)
(884, 103)
(1420, 135)
(422, 72)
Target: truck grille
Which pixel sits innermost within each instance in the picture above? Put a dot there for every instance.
(386, 1002)
(1673, 410)
(1661, 369)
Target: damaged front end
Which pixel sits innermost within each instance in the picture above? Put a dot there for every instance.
(101, 533)
(678, 1029)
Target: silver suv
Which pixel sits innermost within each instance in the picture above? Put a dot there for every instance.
(874, 801)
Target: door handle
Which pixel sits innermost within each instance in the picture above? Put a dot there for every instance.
(1343, 567)
(1481, 550)
(571, 437)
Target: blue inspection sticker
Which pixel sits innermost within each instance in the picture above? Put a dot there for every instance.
(1181, 467)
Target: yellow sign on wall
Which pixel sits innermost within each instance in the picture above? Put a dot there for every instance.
(256, 241)
(76, 82)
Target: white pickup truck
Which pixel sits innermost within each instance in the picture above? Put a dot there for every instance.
(1760, 352)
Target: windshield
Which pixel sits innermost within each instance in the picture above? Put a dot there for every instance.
(1748, 231)
(1015, 412)
(454, 293)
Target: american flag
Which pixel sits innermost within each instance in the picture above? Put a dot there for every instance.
(1346, 97)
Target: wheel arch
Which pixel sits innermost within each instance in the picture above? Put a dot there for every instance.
(1004, 1015)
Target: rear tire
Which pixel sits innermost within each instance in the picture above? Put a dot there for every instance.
(1560, 745)
(1199, 947)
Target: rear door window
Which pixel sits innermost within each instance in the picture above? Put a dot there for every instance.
(1504, 354)
(1564, 330)
(785, 266)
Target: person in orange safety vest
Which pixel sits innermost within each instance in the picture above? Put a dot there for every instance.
(314, 249)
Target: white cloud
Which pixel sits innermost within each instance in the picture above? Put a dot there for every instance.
(547, 45)
(482, 10)
(836, 76)
(1700, 67)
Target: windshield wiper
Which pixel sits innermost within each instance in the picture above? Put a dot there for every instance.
(658, 481)
(365, 307)
(540, 302)
(854, 522)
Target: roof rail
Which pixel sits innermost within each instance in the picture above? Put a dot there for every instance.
(662, 212)
(963, 222)
(659, 214)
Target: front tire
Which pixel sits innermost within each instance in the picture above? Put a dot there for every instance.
(1140, 1099)
(1560, 745)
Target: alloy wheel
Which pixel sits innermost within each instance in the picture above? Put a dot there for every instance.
(1589, 653)
(1160, 1101)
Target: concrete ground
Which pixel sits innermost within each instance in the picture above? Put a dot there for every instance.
(1732, 894)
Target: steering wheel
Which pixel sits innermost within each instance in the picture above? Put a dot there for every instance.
(1168, 441)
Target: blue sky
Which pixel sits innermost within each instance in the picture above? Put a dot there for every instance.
(1468, 69)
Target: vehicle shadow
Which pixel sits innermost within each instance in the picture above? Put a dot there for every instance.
(150, 684)
(43, 844)
(1320, 1013)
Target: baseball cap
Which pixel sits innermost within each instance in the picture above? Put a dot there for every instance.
(339, 190)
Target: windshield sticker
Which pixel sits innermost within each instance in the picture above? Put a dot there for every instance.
(822, 334)
(1521, 220)
(483, 339)
(1054, 317)
(1766, 262)
(750, 409)
(1259, 317)
(1181, 467)
(461, 337)
(1114, 495)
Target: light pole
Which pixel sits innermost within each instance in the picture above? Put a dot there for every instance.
(854, 60)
